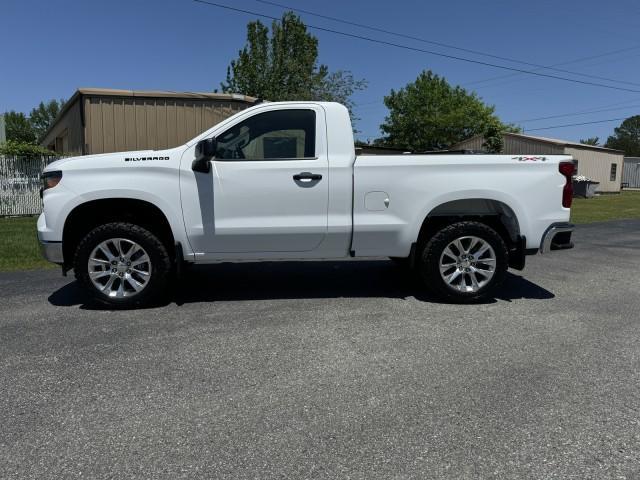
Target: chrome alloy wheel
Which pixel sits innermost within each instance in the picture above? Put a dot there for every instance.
(119, 268)
(467, 264)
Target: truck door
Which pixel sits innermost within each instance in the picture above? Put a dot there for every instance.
(270, 179)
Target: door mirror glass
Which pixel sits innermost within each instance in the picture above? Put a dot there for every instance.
(205, 151)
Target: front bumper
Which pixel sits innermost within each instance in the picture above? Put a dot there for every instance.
(52, 251)
(50, 246)
(557, 237)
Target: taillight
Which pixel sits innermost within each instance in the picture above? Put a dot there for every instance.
(567, 169)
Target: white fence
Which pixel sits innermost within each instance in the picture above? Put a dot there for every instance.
(631, 173)
(20, 184)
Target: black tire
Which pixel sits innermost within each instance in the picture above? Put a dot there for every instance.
(431, 252)
(160, 260)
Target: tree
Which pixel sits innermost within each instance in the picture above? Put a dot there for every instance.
(43, 116)
(493, 139)
(590, 141)
(18, 127)
(284, 66)
(430, 114)
(23, 129)
(626, 137)
(338, 87)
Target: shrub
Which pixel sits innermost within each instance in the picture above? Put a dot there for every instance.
(23, 149)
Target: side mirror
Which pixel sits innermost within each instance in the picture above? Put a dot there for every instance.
(205, 151)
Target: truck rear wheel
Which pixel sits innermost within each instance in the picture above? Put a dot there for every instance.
(464, 262)
(122, 264)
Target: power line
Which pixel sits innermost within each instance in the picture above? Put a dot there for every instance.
(551, 67)
(573, 114)
(575, 124)
(549, 117)
(415, 49)
(468, 50)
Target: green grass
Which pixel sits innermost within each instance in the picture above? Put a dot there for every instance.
(19, 249)
(626, 205)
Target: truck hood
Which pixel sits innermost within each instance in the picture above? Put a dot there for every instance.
(105, 160)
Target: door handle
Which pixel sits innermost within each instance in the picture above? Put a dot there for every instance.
(307, 176)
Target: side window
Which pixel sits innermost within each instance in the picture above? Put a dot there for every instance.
(614, 171)
(276, 135)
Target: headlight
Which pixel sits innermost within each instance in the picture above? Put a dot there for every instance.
(50, 180)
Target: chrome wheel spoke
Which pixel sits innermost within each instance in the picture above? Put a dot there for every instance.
(446, 266)
(485, 248)
(474, 281)
(99, 274)
(132, 251)
(106, 288)
(473, 243)
(450, 278)
(137, 286)
(99, 261)
(486, 273)
(139, 261)
(104, 249)
(120, 291)
(488, 261)
(449, 253)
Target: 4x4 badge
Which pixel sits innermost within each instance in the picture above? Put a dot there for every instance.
(529, 159)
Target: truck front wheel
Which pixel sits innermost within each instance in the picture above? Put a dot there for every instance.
(464, 262)
(122, 264)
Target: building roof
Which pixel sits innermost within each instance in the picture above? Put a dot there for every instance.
(555, 141)
(564, 143)
(111, 92)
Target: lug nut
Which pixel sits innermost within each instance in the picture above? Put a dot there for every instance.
(114, 270)
(128, 264)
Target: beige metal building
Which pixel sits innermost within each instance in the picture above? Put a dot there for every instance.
(102, 120)
(600, 164)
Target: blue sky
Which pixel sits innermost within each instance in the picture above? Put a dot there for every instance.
(50, 48)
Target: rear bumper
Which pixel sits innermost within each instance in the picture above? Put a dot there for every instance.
(557, 237)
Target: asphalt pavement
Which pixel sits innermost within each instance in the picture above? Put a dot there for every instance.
(330, 370)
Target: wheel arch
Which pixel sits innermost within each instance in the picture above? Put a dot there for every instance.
(90, 214)
(490, 211)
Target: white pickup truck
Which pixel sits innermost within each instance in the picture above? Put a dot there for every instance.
(283, 181)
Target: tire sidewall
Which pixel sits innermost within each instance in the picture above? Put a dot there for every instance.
(430, 260)
(160, 263)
